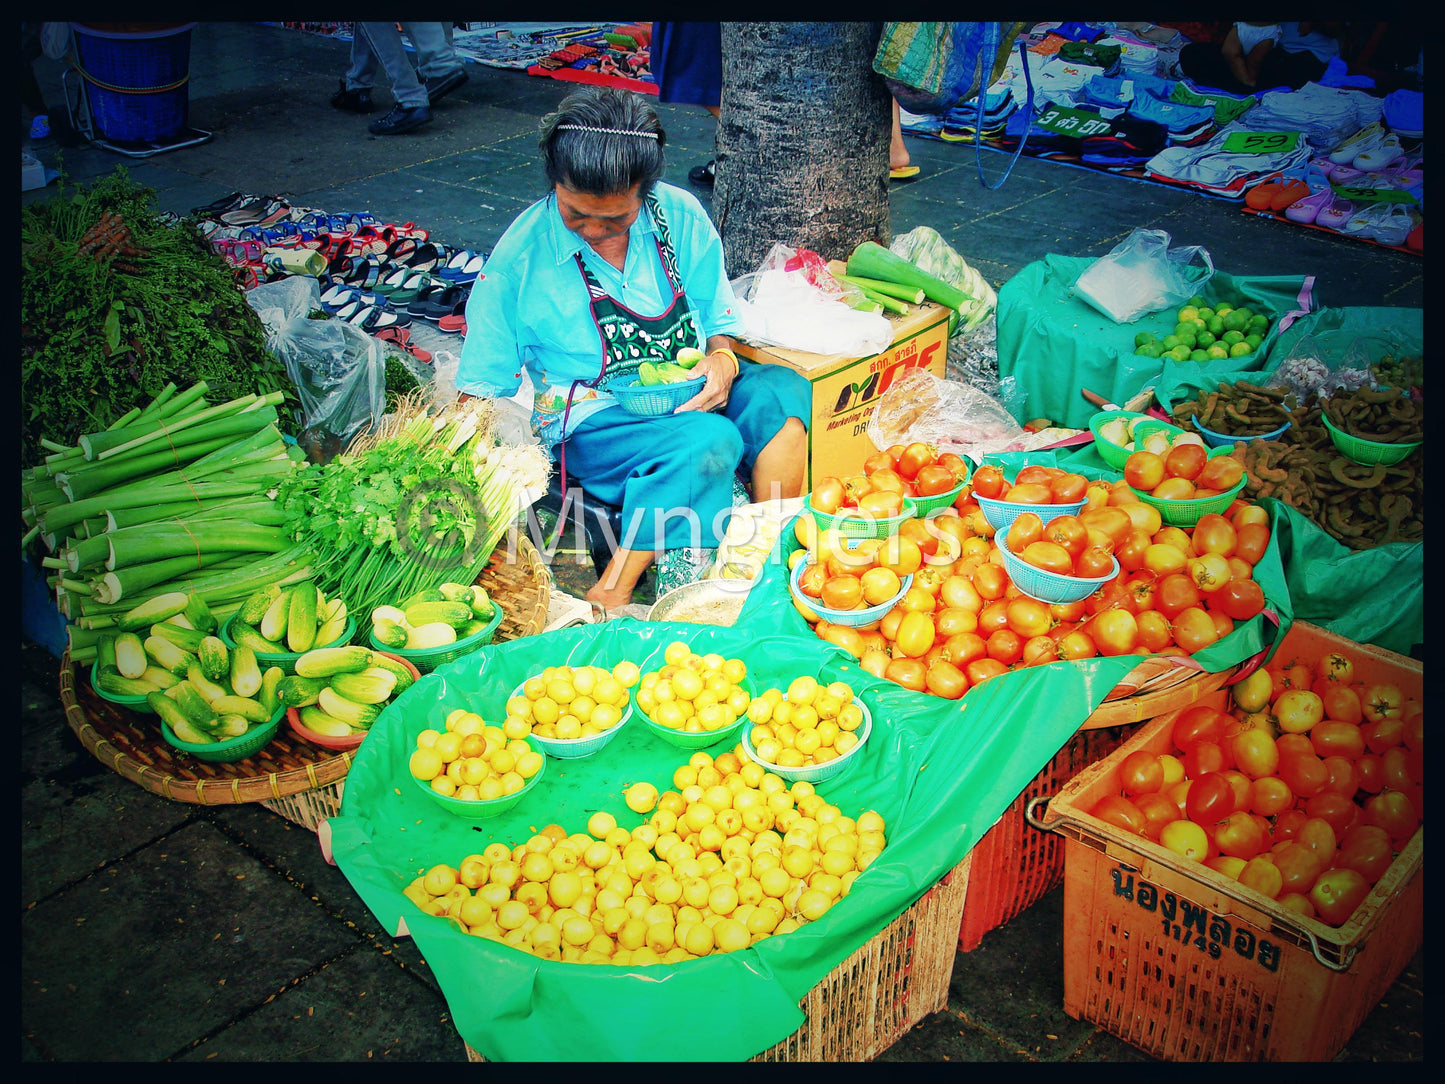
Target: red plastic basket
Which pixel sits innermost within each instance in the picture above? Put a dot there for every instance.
(1015, 864)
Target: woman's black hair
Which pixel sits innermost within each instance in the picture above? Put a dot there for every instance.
(626, 151)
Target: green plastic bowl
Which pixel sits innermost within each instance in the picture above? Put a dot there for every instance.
(427, 659)
(926, 506)
(480, 809)
(854, 524)
(698, 739)
(1111, 453)
(135, 703)
(224, 752)
(576, 748)
(1368, 452)
(817, 773)
(1186, 513)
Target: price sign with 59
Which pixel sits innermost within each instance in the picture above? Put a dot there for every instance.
(1075, 122)
(1260, 142)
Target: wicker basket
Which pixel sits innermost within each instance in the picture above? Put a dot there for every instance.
(875, 997)
(1158, 684)
(300, 781)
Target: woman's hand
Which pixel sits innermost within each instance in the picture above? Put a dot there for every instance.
(721, 370)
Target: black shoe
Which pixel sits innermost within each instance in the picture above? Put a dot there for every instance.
(704, 175)
(353, 101)
(400, 119)
(438, 88)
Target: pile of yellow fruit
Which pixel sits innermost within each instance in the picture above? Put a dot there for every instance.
(473, 760)
(807, 724)
(732, 855)
(569, 702)
(694, 692)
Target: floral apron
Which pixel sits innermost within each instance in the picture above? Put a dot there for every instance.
(628, 339)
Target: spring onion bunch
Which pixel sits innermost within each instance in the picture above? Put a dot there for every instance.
(418, 501)
(176, 495)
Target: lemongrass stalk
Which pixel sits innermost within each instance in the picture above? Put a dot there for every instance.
(128, 582)
(91, 445)
(233, 581)
(154, 406)
(179, 401)
(52, 446)
(169, 428)
(99, 477)
(152, 542)
(64, 516)
(115, 518)
(125, 419)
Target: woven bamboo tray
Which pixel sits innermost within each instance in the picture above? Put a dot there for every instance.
(874, 997)
(290, 776)
(1155, 686)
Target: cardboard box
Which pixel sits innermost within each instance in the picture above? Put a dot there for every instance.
(846, 389)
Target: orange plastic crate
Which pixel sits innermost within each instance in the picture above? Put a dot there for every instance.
(1188, 965)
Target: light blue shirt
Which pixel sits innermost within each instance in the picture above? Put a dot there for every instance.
(530, 307)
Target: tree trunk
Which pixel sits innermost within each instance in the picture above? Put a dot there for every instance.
(802, 143)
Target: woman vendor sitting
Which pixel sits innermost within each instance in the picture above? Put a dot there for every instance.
(613, 268)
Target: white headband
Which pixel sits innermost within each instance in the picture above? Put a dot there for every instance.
(605, 131)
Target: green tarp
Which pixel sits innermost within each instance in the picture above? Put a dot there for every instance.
(1052, 344)
(939, 772)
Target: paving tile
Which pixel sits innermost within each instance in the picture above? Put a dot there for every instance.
(168, 945)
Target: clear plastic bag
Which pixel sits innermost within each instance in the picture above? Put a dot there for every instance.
(952, 416)
(925, 247)
(793, 302)
(1142, 274)
(339, 370)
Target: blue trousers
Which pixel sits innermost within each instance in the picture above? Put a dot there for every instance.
(672, 475)
(374, 43)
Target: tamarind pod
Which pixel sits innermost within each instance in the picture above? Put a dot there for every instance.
(1377, 395)
(1268, 393)
(1340, 469)
(1266, 489)
(1211, 404)
(1232, 412)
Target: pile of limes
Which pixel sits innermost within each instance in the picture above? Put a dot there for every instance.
(569, 702)
(732, 855)
(809, 723)
(472, 760)
(1205, 333)
(694, 692)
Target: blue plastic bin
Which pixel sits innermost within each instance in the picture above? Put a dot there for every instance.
(137, 82)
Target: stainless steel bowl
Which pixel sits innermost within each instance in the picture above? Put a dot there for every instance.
(704, 602)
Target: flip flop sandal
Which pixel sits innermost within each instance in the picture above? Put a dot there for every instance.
(249, 214)
(360, 219)
(465, 266)
(903, 173)
(413, 287)
(454, 324)
(408, 229)
(436, 302)
(402, 338)
(366, 241)
(363, 271)
(246, 277)
(425, 258)
(400, 248)
(339, 295)
(393, 278)
(374, 318)
(222, 205)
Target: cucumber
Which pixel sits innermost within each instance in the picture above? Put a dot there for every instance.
(325, 661)
(231, 726)
(252, 711)
(130, 655)
(214, 657)
(111, 681)
(301, 617)
(270, 682)
(273, 622)
(182, 637)
(299, 692)
(242, 633)
(149, 612)
(328, 726)
(193, 705)
(198, 612)
(245, 672)
(197, 678)
(404, 677)
(255, 607)
(165, 654)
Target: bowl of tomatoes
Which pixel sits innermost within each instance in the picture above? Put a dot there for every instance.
(1054, 562)
(1186, 482)
(1047, 491)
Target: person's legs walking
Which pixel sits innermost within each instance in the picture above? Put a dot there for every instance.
(355, 93)
(437, 63)
(412, 108)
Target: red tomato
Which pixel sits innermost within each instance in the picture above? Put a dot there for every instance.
(1336, 810)
(1194, 629)
(959, 591)
(915, 456)
(1214, 534)
(1144, 470)
(1287, 824)
(1158, 811)
(878, 461)
(1332, 738)
(1077, 644)
(1393, 812)
(1262, 875)
(951, 620)
(1114, 632)
(1240, 836)
(989, 482)
(916, 633)
(1113, 522)
(964, 647)
(1240, 599)
(992, 617)
(1094, 563)
(1210, 797)
(1039, 649)
(1344, 776)
(1251, 541)
(1269, 796)
(955, 463)
(886, 478)
(1028, 616)
(1396, 765)
(1068, 532)
(881, 503)
(1305, 773)
(1187, 839)
(1298, 864)
(1006, 646)
(827, 495)
(933, 479)
(1185, 461)
(1317, 834)
(1221, 473)
(1196, 724)
(1130, 553)
(1366, 849)
(1382, 736)
(1026, 529)
(1036, 473)
(1336, 895)
(1175, 593)
(1155, 632)
(1068, 488)
(1255, 752)
(1298, 710)
(910, 673)
(980, 670)
(1050, 556)
(990, 581)
(1371, 772)
(946, 680)
(1141, 773)
(1029, 493)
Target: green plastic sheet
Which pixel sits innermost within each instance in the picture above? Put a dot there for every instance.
(939, 772)
(1053, 345)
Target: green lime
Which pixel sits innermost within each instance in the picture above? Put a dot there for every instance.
(1232, 337)
(1216, 325)
(1188, 312)
(1154, 349)
(1221, 310)
(1259, 322)
(1254, 340)
(1246, 312)
(1205, 338)
(1180, 353)
(1205, 313)
(1234, 322)
(1169, 342)
(1218, 350)
(1197, 301)
(1182, 329)
(1239, 349)
(1143, 337)
(1198, 355)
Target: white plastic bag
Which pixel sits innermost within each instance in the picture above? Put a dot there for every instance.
(788, 302)
(1141, 275)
